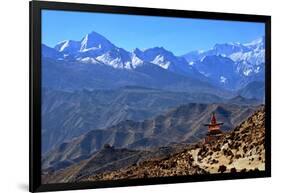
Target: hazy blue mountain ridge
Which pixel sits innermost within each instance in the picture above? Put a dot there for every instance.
(68, 114)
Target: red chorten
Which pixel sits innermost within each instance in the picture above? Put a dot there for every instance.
(214, 131)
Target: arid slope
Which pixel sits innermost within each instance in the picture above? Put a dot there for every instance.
(241, 150)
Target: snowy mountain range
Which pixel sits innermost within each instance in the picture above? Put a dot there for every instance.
(230, 66)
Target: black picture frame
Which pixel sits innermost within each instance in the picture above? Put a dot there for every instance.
(35, 93)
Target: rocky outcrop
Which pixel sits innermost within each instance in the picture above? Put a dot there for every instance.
(241, 150)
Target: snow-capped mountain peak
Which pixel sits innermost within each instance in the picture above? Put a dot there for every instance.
(61, 45)
(95, 41)
(157, 55)
(68, 46)
(135, 57)
(257, 42)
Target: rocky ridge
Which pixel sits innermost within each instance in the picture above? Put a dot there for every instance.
(241, 150)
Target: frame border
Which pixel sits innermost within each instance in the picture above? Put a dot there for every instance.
(35, 8)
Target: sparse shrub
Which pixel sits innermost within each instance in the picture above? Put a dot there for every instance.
(145, 174)
(233, 170)
(173, 164)
(232, 135)
(256, 169)
(227, 152)
(222, 169)
(200, 152)
(245, 149)
(164, 166)
(214, 161)
(129, 172)
(190, 158)
(243, 170)
(237, 156)
(217, 148)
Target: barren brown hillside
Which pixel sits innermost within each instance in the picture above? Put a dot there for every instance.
(241, 150)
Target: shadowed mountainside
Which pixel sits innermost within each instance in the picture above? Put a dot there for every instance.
(71, 114)
(182, 124)
(105, 160)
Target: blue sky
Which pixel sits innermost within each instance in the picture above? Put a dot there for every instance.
(178, 35)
